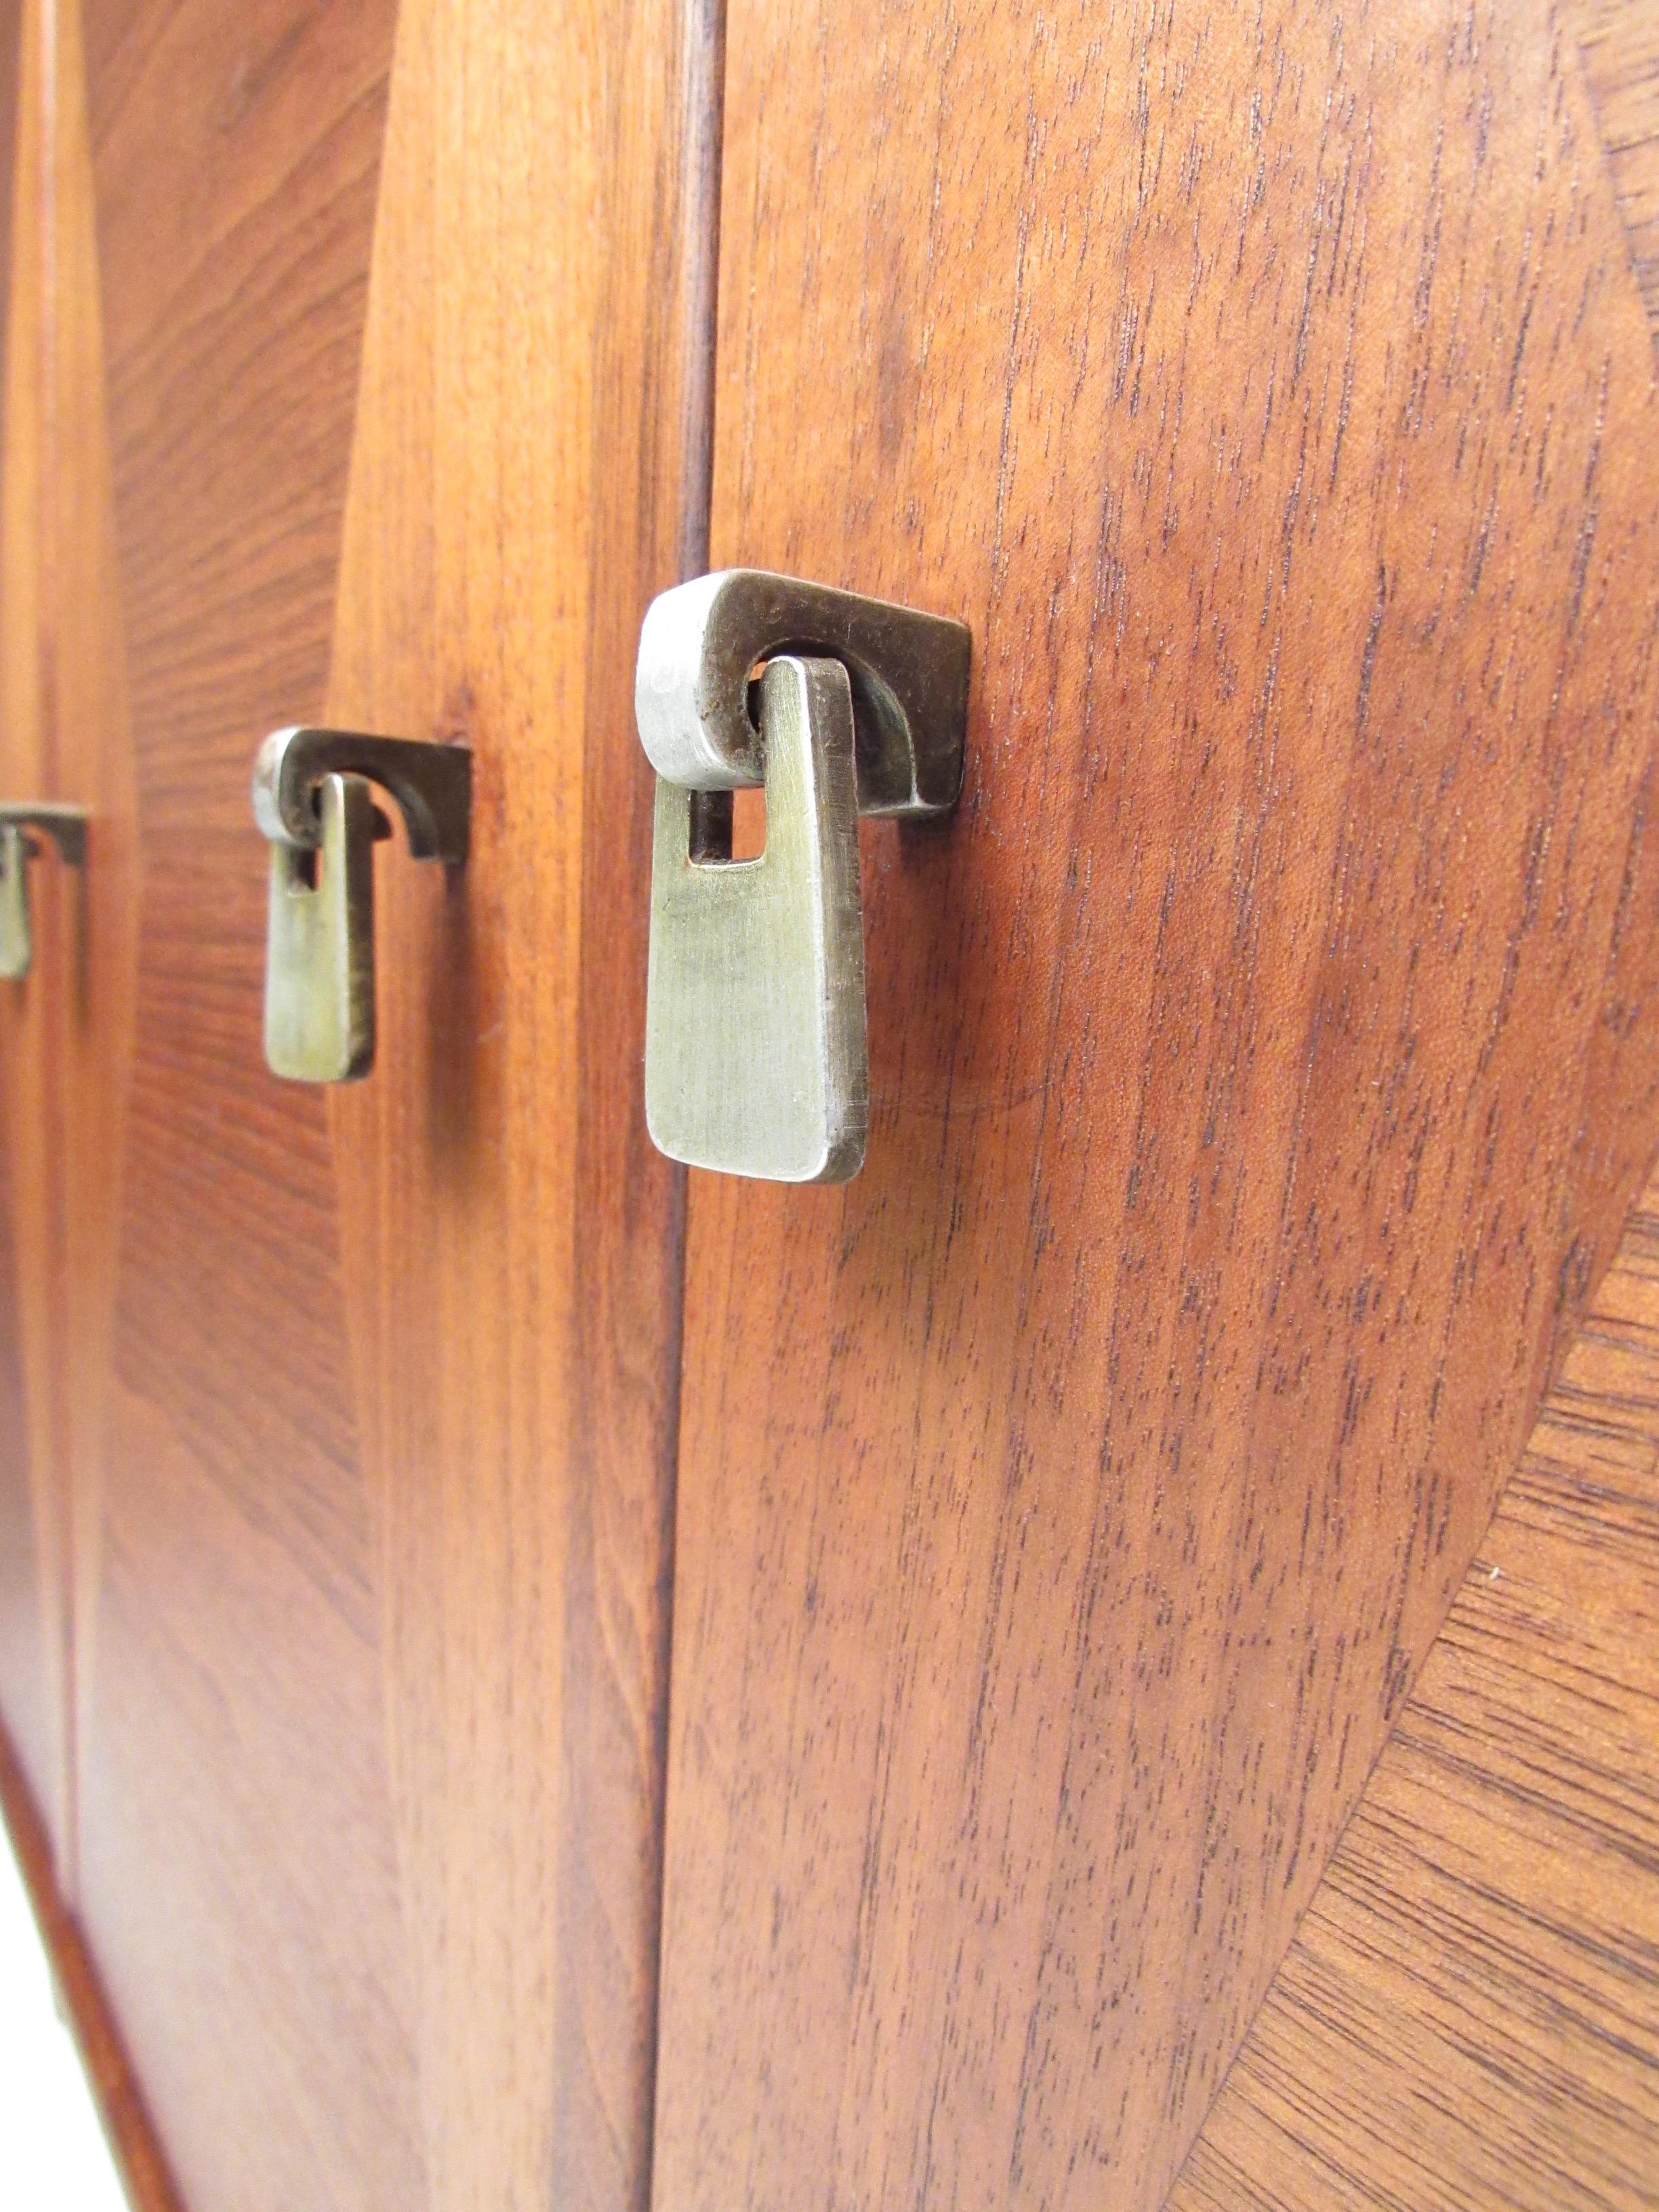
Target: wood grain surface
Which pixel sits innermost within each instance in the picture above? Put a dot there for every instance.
(1619, 44)
(236, 1870)
(527, 434)
(69, 1023)
(370, 1562)
(85, 641)
(1263, 1063)
(653, 358)
(1469, 2015)
(34, 1508)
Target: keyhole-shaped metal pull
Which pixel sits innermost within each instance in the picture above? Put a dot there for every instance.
(756, 1060)
(21, 829)
(312, 799)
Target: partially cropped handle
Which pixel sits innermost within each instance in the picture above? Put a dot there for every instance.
(756, 1060)
(313, 797)
(23, 827)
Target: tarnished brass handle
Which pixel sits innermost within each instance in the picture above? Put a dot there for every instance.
(756, 1060)
(22, 828)
(312, 799)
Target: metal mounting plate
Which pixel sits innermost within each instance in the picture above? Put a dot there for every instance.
(431, 783)
(908, 672)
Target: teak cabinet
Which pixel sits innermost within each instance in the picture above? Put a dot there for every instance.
(1110, 1661)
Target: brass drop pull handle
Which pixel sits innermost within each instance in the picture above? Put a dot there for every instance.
(756, 1060)
(22, 828)
(312, 799)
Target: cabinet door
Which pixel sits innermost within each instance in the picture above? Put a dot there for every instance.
(64, 1027)
(386, 317)
(33, 1506)
(1263, 1062)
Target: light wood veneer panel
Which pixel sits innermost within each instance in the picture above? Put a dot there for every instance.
(1263, 1063)
(1436, 2028)
(1619, 43)
(1469, 2015)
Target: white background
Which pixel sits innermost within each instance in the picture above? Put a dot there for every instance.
(52, 2154)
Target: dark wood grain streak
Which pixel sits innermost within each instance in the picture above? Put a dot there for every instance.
(1469, 2015)
(1619, 42)
(110, 2075)
(653, 444)
(1264, 1062)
